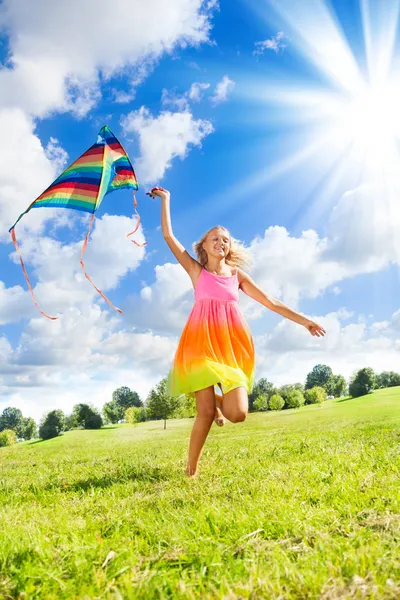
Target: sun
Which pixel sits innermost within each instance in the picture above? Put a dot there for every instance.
(371, 120)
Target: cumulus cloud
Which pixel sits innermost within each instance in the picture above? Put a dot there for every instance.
(47, 72)
(163, 138)
(60, 282)
(222, 90)
(275, 43)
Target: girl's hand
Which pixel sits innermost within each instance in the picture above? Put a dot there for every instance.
(158, 191)
(314, 328)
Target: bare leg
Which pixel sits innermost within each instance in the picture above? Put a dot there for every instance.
(205, 402)
(219, 416)
(235, 405)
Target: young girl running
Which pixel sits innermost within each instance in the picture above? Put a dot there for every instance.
(216, 347)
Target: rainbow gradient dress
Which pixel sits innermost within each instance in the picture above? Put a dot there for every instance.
(216, 345)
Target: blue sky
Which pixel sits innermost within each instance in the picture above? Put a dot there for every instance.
(289, 140)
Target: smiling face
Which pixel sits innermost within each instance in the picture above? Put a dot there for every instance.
(217, 243)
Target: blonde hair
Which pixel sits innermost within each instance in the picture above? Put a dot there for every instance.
(238, 255)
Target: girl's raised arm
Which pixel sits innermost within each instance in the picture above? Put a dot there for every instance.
(251, 289)
(191, 266)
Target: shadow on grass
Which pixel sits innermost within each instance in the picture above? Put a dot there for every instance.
(143, 474)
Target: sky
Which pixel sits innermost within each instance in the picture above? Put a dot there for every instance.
(276, 119)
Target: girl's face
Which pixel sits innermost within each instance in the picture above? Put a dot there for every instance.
(217, 243)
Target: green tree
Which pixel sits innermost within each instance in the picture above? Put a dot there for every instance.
(52, 425)
(131, 415)
(262, 387)
(12, 418)
(160, 405)
(362, 383)
(285, 390)
(276, 402)
(294, 399)
(186, 407)
(336, 386)
(7, 437)
(30, 428)
(125, 398)
(86, 416)
(112, 412)
(387, 379)
(260, 404)
(319, 376)
(315, 395)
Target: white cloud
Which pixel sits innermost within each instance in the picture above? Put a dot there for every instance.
(24, 153)
(276, 43)
(47, 72)
(222, 90)
(163, 138)
(194, 94)
(60, 280)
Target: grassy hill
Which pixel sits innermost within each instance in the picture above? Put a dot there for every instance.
(300, 504)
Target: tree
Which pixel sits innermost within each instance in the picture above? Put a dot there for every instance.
(7, 438)
(125, 398)
(30, 428)
(12, 418)
(336, 386)
(316, 395)
(131, 415)
(387, 379)
(160, 405)
(295, 399)
(112, 412)
(261, 403)
(86, 416)
(319, 376)
(362, 383)
(53, 424)
(276, 402)
(285, 390)
(261, 387)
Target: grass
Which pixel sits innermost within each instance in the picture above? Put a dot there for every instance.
(292, 505)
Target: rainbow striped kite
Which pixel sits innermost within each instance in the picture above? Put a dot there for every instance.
(103, 168)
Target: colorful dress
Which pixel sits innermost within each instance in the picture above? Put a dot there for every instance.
(216, 345)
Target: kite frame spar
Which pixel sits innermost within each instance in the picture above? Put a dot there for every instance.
(103, 168)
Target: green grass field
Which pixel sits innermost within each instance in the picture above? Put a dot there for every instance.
(293, 505)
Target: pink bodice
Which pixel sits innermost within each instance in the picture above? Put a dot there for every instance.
(217, 287)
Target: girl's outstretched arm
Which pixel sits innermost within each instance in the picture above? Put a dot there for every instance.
(251, 289)
(190, 265)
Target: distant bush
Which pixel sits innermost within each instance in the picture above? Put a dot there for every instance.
(294, 399)
(134, 414)
(261, 403)
(315, 395)
(93, 421)
(276, 402)
(362, 383)
(7, 438)
(53, 424)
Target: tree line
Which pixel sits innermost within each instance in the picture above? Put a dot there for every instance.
(126, 405)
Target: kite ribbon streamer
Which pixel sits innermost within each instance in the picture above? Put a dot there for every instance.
(14, 239)
(137, 223)
(85, 243)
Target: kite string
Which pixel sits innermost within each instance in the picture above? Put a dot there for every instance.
(14, 239)
(85, 243)
(137, 223)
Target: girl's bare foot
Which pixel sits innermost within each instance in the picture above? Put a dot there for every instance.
(219, 417)
(191, 473)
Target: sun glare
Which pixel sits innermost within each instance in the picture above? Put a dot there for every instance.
(372, 121)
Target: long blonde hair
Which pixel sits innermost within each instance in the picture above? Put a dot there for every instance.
(238, 255)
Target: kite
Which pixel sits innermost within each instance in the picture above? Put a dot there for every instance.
(103, 168)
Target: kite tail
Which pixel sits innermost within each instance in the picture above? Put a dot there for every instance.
(14, 239)
(137, 223)
(85, 243)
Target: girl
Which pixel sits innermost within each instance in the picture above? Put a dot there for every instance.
(216, 347)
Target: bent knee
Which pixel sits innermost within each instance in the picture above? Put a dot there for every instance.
(238, 417)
